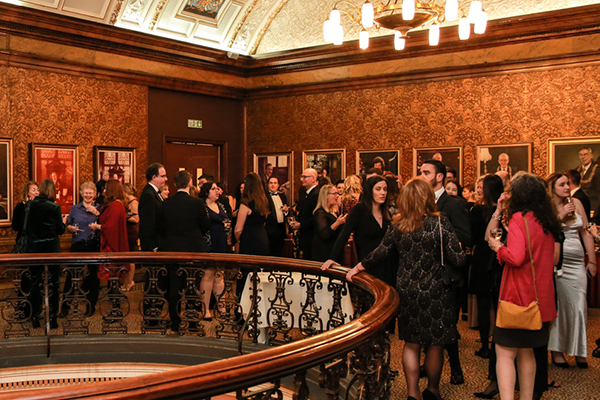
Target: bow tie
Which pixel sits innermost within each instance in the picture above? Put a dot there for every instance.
(274, 194)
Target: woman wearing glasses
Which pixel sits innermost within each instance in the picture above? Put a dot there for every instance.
(327, 223)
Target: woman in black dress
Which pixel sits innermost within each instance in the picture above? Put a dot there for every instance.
(368, 221)
(44, 226)
(426, 315)
(250, 226)
(219, 222)
(327, 223)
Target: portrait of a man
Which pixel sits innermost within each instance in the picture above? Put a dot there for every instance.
(590, 176)
(507, 158)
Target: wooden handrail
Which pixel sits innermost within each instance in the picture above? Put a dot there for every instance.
(222, 376)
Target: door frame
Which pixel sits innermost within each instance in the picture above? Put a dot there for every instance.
(222, 173)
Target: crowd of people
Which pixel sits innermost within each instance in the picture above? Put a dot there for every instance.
(520, 240)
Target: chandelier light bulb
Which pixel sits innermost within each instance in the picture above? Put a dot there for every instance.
(408, 10)
(338, 36)
(399, 41)
(434, 35)
(363, 39)
(474, 9)
(464, 28)
(451, 10)
(481, 23)
(334, 16)
(367, 15)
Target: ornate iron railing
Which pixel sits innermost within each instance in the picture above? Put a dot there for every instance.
(341, 344)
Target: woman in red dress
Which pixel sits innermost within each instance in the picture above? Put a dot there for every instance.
(112, 225)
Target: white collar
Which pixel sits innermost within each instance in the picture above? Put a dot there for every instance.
(439, 193)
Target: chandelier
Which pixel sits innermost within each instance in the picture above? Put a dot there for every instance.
(403, 16)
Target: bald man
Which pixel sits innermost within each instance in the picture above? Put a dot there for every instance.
(503, 160)
(307, 202)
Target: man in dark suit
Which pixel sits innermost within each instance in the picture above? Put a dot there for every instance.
(306, 205)
(275, 224)
(149, 205)
(183, 221)
(575, 186)
(590, 176)
(455, 209)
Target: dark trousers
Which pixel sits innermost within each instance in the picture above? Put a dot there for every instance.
(277, 240)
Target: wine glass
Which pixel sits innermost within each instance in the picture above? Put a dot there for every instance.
(76, 226)
(496, 233)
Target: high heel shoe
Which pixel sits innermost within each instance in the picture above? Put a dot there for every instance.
(563, 365)
(489, 395)
(428, 395)
(581, 364)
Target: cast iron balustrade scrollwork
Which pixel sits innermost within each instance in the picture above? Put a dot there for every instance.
(154, 307)
(339, 358)
(337, 316)
(279, 316)
(75, 307)
(16, 309)
(310, 322)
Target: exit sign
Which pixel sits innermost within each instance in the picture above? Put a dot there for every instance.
(194, 123)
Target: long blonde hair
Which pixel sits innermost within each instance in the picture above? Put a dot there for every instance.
(416, 201)
(322, 200)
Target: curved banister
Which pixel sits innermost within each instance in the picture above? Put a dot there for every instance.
(203, 381)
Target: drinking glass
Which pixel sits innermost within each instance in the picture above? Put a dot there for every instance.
(496, 233)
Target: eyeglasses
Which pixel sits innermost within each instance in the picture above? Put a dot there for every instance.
(334, 193)
(162, 176)
(306, 176)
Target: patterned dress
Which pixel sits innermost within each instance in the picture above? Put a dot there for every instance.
(426, 314)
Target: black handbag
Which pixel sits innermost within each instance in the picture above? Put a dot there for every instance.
(23, 242)
(450, 276)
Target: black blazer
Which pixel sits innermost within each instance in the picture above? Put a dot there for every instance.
(148, 209)
(305, 209)
(271, 224)
(585, 201)
(455, 209)
(324, 237)
(44, 226)
(183, 221)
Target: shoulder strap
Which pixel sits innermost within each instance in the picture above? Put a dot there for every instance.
(28, 205)
(531, 258)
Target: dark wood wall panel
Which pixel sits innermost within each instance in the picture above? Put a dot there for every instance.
(222, 121)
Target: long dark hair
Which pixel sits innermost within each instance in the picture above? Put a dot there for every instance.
(528, 193)
(254, 191)
(492, 189)
(367, 196)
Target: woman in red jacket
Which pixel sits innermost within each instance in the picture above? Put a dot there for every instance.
(527, 203)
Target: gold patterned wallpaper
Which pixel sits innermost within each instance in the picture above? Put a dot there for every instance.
(43, 107)
(517, 108)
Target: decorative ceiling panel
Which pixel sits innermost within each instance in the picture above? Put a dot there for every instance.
(248, 26)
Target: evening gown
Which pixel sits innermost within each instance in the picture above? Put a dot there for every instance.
(568, 330)
(218, 237)
(253, 239)
(426, 314)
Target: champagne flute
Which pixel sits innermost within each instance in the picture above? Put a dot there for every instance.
(76, 226)
(569, 200)
(496, 233)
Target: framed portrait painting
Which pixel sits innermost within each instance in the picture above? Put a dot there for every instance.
(60, 164)
(387, 160)
(280, 165)
(511, 158)
(6, 173)
(330, 163)
(114, 163)
(450, 156)
(581, 154)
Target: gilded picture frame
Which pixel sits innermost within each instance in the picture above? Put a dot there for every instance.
(511, 158)
(329, 162)
(282, 165)
(390, 157)
(6, 181)
(451, 156)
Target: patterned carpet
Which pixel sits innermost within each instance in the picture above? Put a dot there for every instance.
(576, 383)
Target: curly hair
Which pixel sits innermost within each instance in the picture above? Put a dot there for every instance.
(528, 193)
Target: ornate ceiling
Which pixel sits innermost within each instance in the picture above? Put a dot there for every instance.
(246, 27)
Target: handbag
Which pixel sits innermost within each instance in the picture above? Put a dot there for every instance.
(450, 275)
(513, 316)
(23, 242)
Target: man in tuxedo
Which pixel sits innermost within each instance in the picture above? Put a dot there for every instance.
(183, 220)
(590, 176)
(575, 186)
(149, 205)
(307, 203)
(275, 224)
(455, 209)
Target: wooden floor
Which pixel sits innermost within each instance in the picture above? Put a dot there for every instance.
(576, 383)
